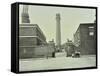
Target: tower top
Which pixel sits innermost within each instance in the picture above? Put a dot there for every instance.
(58, 16)
(25, 9)
(25, 15)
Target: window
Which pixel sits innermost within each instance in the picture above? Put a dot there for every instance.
(91, 31)
(90, 27)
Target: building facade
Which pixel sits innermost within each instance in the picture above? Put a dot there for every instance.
(30, 37)
(85, 38)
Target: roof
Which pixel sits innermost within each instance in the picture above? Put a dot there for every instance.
(31, 25)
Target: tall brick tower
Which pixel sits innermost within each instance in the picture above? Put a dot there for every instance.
(58, 32)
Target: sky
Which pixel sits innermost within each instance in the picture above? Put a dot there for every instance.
(45, 17)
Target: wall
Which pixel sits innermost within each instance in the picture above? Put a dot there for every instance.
(27, 31)
(88, 43)
(85, 42)
(26, 52)
(36, 52)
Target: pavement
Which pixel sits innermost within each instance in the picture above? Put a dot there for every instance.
(61, 62)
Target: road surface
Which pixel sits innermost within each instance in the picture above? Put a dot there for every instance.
(56, 63)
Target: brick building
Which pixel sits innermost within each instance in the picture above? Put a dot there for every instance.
(85, 38)
(30, 37)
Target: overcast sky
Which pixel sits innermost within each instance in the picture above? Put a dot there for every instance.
(45, 17)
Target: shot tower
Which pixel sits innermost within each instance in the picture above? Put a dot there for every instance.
(58, 32)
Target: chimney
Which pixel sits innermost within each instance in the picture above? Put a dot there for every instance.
(25, 15)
